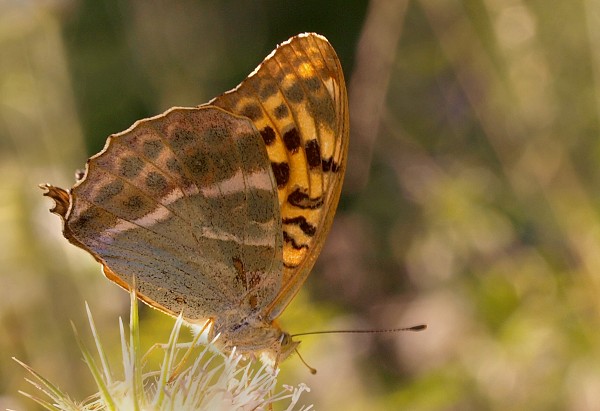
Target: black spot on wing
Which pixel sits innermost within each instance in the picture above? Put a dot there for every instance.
(291, 138)
(281, 172)
(306, 227)
(313, 153)
(301, 200)
(330, 165)
(281, 111)
(268, 135)
(290, 240)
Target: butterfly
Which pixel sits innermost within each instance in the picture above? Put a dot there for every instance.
(220, 211)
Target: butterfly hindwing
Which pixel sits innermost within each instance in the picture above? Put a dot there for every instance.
(184, 203)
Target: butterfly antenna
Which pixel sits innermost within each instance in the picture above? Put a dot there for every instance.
(415, 328)
(312, 370)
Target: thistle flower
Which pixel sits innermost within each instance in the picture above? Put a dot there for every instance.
(213, 381)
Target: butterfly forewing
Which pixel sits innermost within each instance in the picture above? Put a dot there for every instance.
(297, 100)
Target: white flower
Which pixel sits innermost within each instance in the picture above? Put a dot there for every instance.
(213, 381)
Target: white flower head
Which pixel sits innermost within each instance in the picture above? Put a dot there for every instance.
(208, 381)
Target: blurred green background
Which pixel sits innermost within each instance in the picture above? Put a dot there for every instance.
(471, 201)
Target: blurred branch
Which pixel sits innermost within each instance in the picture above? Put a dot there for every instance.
(592, 13)
(369, 84)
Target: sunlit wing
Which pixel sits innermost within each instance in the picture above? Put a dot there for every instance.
(298, 102)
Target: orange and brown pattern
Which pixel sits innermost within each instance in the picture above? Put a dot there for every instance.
(219, 212)
(297, 100)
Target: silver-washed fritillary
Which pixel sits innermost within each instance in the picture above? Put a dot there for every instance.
(220, 211)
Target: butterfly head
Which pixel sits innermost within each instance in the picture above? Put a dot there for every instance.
(254, 337)
(288, 346)
(281, 350)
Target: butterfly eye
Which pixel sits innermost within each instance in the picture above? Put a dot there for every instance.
(285, 338)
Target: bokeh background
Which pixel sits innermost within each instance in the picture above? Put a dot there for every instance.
(471, 200)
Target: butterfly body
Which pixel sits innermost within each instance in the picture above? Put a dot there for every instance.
(219, 212)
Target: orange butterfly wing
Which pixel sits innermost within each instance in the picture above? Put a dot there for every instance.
(298, 102)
